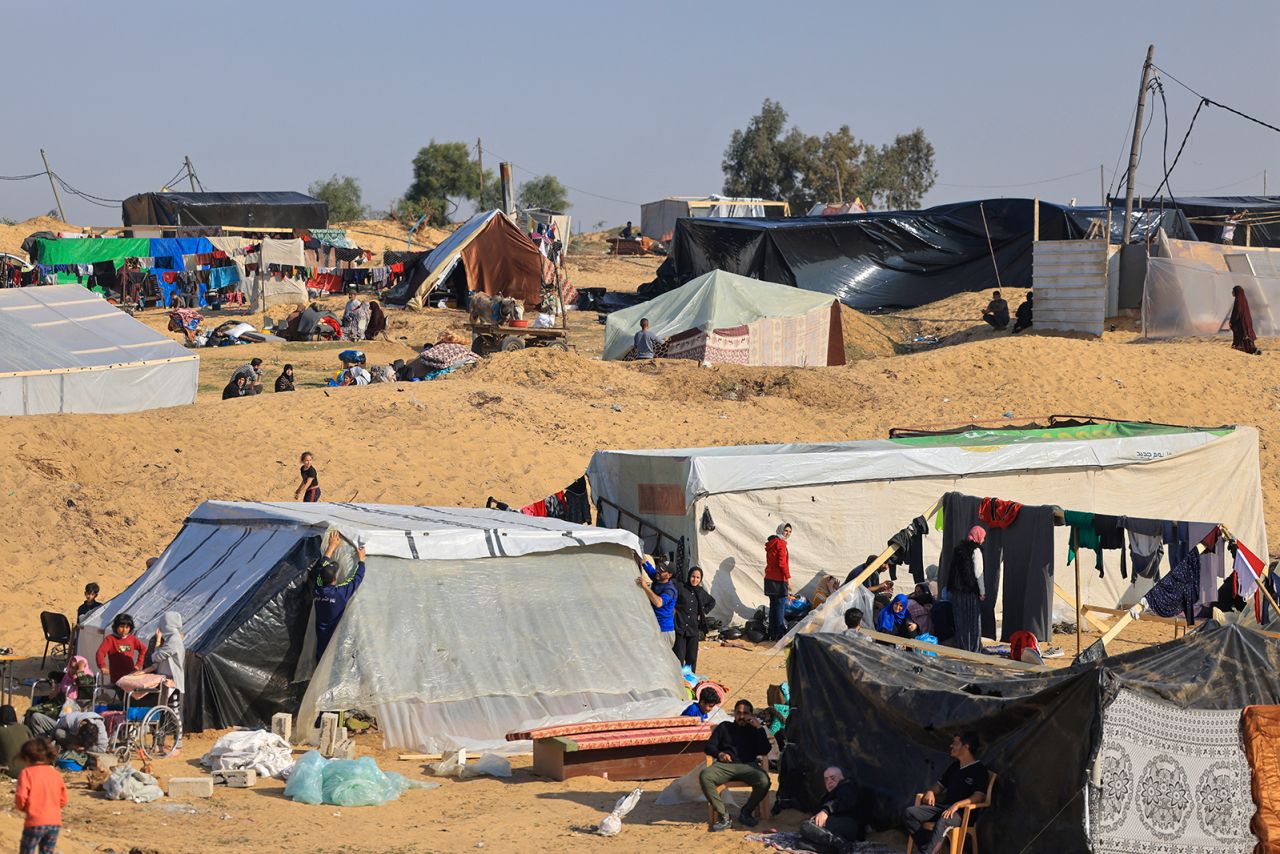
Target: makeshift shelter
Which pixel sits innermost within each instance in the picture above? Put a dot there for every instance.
(1256, 219)
(486, 253)
(716, 506)
(562, 221)
(1137, 752)
(458, 635)
(241, 210)
(66, 349)
(879, 259)
(658, 219)
(720, 317)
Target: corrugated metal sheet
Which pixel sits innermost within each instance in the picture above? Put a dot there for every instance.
(1069, 278)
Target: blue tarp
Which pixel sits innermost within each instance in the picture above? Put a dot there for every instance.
(176, 247)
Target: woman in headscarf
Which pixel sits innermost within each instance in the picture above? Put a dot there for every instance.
(777, 580)
(1242, 335)
(235, 388)
(693, 603)
(355, 319)
(284, 382)
(169, 651)
(895, 619)
(377, 322)
(966, 590)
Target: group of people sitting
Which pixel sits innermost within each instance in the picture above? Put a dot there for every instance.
(360, 321)
(246, 381)
(739, 751)
(997, 313)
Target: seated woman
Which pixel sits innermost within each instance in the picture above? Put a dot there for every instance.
(238, 387)
(168, 659)
(895, 619)
(377, 322)
(919, 604)
(77, 680)
(284, 382)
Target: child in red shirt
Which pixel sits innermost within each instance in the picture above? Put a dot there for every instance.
(121, 652)
(41, 795)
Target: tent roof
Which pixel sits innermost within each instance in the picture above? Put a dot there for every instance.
(264, 209)
(422, 533)
(442, 259)
(59, 328)
(742, 468)
(715, 300)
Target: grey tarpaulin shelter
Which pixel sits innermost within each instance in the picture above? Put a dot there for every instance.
(275, 209)
(470, 623)
(65, 349)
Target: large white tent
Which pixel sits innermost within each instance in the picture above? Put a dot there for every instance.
(723, 317)
(845, 500)
(658, 219)
(469, 624)
(65, 349)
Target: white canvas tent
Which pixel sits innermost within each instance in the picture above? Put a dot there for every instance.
(723, 317)
(469, 624)
(658, 219)
(845, 500)
(65, 349)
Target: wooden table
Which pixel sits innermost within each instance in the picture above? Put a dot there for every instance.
(654, 749)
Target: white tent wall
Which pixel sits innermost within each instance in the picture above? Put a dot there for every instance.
(459, 653)
(132, 388)
(836, 524)
(1185, 299)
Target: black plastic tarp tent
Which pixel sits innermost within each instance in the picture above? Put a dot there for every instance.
(888, 716)
(1208, 214)
(882, 259)
(242, 210)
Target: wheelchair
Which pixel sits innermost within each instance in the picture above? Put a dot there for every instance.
(151, 724)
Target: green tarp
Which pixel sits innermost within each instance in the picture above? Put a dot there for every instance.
(90, 250)
(1107, 430)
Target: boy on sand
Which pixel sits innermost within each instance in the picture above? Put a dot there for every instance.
(90, 604)
(41, 795)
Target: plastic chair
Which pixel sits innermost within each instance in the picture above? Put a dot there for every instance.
(762, 809)
(57, 634)
(967, 829)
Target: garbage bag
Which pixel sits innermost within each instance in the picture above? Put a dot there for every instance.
(450, 764)
(306, 779)
(126, 784)
(490, 763)
(612, 823)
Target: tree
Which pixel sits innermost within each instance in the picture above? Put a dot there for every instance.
(545, 191)
(443, 172)
(343, 195)
(905, 171)
(768, 160)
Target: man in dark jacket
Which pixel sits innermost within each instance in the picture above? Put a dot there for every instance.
(841, 818)
(1025, 312)
(997, 313)
(330, 596)
(736, 746)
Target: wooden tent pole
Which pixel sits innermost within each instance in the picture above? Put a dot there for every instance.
(880, 560)
(1075, 542)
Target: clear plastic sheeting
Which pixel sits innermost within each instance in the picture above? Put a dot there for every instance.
(456, 653)
(65, 349)
(1184, 299)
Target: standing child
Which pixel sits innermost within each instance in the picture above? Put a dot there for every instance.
(41, 795)
(90, 603)
(309, 489)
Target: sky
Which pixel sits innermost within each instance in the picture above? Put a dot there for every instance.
(624, 104)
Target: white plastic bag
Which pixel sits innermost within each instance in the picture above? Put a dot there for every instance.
(612, 823)
(450, 764)
(687, 790)
(490, 764)
(126, 784)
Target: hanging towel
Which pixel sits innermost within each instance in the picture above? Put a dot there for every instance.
(287, 253)
(1249, 568)
(1213, 563)
(997, 513)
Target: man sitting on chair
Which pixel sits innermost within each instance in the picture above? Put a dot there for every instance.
(963, 784)
(736, 746)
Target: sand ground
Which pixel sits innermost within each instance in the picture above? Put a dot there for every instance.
(91, 497)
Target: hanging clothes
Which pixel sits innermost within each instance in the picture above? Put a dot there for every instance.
(1179, 591)
(1213, 563)
(1178, 541)
(996, 513)
(1248, 568)
(1083, 536)
(959, 515)
(1111, 537)
(1146, 546)
(1026, 553)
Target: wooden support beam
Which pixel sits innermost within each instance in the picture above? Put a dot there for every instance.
(889, 552)
(952, 652)
(1066, 597)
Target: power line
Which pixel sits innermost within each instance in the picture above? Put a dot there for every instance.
(21, 177)
(1019, 184)
(566, 186)
(1207, 100)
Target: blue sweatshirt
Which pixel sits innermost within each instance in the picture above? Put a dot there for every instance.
(666, 612)
(330, 601)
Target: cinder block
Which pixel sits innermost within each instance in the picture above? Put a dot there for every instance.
(191, 787)
(345, 749)
(328, 733)
(236, 778)
(282, 725)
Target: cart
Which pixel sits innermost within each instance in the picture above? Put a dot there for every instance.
(489, 338)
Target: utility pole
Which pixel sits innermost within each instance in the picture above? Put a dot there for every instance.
(1264, 182)
(191, 172)
(1134, 148)
(56, 198)
(1102, 182)
(839, 185)
(480, 160)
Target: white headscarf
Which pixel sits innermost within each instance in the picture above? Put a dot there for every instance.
(171, 657)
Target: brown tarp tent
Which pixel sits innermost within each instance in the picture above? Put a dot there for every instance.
(496, 257)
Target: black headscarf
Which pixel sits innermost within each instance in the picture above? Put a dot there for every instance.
(8, 716)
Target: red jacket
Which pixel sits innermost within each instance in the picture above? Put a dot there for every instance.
(120, 656)
(777, 567)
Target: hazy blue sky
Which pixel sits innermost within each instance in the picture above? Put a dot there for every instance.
(630, 105)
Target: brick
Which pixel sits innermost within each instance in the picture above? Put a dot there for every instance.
(345, 749)
(191, 787)
(328, 732)
(282, 725)
(237, 778)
